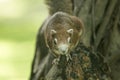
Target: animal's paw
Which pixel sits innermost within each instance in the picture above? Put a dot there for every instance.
(68, 57)
(56, 61)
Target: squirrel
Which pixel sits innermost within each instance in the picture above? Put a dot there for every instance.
(59, 35)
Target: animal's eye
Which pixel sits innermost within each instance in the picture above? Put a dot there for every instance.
(55, 41)
(69, 40)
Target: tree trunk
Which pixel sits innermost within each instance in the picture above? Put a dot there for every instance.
(102, 29)
(101, 20)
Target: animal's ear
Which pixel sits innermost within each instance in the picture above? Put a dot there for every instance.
(78, 24)
(53, 31)
(70, 31)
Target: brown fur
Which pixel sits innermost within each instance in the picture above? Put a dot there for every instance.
(62, 5)
(61, 22)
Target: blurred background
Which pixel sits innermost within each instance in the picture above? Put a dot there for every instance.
(19, 24)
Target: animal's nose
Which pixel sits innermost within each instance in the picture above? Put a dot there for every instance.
(63, 51)
(63, 48)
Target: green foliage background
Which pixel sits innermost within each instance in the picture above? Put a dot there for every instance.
(19, 23)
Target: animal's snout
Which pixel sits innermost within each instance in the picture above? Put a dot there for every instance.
(63, 48)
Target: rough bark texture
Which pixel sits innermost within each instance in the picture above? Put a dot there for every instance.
(106, 29)
(101, 19)
(84, 65)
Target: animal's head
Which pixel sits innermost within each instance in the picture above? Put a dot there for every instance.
(63, 33)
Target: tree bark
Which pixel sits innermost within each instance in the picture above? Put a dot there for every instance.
(106, 29)
(101, 20)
